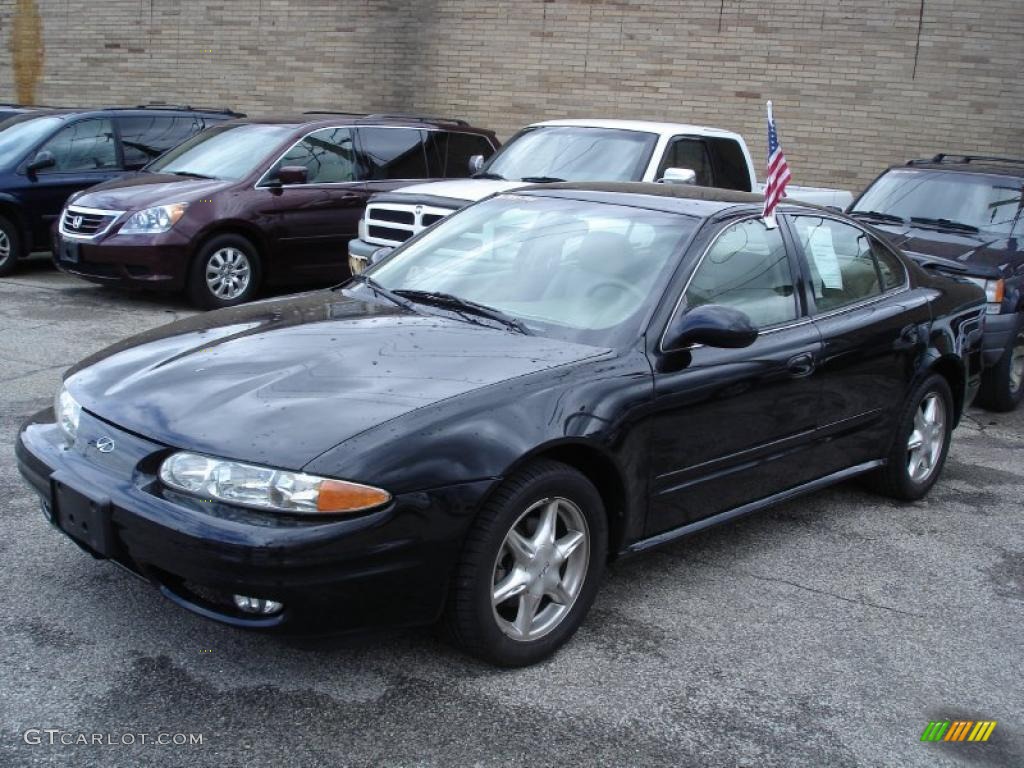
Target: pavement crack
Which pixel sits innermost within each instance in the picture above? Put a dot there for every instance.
(824, 592)
(32, 372)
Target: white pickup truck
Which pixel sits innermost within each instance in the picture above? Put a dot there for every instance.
(574, 150)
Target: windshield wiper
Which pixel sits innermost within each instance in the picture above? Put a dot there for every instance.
(946, 223)
(488, 175)
(380, 290)
(541, 179)
(451, 301)
(879, 216)
(189, 174)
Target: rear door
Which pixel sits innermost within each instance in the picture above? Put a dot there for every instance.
(734, 425)
(393, 156)
(873, 326)
(86, 153)
(311, 223)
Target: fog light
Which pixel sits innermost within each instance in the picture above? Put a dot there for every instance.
(257, 605)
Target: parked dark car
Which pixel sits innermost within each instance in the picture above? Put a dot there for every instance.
(962, 214)
(8, 110)
(471, 428)
(48, 154)
(271, 201)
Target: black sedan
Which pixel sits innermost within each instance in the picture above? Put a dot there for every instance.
(473, 428)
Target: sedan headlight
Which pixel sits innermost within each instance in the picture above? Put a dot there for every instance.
(68, 412)
(279, 490)
(153, 221)
(994, 292)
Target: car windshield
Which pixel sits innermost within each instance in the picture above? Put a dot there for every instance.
(580, 271)
(986, 202)
(16, 136)
(569, 153)
(229, 152)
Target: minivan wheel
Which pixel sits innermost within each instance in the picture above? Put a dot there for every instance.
(530, 567)
(10, 246)
(225, 273)
(919, 450)
(1002, 385)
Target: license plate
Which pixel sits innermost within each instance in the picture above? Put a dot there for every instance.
(84, 518)
(69, 251)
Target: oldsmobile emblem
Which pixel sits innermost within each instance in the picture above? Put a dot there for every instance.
(419, 209)
(105, 444)
(76, 222)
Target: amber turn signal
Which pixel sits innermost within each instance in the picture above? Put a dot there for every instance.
(340, 496)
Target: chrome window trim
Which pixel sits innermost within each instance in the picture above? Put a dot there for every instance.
(89, 212)
(433, 128)
(799, 320)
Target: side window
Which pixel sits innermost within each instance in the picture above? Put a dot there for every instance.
(146, 137)
(841, 261)
(87, 145)
(327, 155)
(394, 153)
(747, 268)
(449, 152)
(689, 153)
(893, 273)
(732, 170)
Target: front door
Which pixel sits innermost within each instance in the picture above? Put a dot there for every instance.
(734, 425)
(311, 223)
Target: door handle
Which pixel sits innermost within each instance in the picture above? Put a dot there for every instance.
(801, 365)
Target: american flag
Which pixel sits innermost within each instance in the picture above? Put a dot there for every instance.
(778, 169)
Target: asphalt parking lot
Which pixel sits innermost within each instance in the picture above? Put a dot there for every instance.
(827, 632)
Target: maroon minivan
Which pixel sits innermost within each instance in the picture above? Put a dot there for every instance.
(255, 202)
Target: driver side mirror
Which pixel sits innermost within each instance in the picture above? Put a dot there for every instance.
(43, 159)
(679, 176)
(292, 174)
(712, 325)
(476, 162)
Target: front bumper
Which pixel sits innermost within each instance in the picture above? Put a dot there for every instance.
(999, 331)
(145, 261)
(389, 567)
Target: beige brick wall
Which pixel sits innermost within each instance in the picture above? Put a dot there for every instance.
(857, 84)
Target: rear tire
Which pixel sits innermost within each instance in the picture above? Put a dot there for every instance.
(225, 273)
(1002, 385)
(919, 449)
(531, 566)
(10, 246)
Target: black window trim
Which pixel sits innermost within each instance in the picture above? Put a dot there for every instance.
(796, 271)
(812, 307)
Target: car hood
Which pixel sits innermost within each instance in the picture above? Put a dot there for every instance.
(981, 249)
(281, 381)
(143, 190)
(467, 190)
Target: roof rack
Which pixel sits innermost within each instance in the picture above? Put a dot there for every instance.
(944, 157)
(333, 112)
(419, 118)
(182, 107)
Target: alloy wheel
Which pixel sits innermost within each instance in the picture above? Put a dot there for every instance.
(228, 273)
(1017, 365)
(540, 569)
(924, 447)
(5, 246)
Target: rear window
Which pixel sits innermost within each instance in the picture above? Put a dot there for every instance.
(145, 137)
(394, 153)
(449, 152)
(731, 169)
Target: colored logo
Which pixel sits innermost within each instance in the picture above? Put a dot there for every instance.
(958, 730)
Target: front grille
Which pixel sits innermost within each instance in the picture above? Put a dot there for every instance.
(394, 223)
(86, 222)
(389, 233)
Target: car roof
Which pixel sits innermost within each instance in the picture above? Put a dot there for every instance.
(326, 119)
(648, 126)
(675, 198)
(998, 166)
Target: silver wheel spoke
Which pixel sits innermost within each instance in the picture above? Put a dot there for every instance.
(568, 543)
(528, 605)
(510, 586)
(519, 546)
(545, 533)
(560, 594)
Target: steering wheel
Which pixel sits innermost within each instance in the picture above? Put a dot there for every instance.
(619, 286)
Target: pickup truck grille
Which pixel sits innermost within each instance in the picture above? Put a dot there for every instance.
(86, 222)
(394, 223)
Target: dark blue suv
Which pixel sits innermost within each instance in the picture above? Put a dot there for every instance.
(46, 155)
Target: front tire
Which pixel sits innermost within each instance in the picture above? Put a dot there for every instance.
(225, 273)
(1002, 385)
(10, 246)
(531, 566)
(919, 450)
